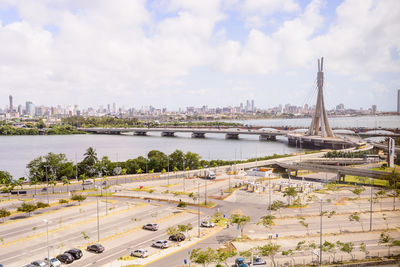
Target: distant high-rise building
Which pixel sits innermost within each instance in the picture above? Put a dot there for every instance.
(114, 108)
(252, 106)
(11, 103)
(29, 108)
(373, 109)
(398, 101)
(108, 108)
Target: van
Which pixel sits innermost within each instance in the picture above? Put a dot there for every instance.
(210, 175)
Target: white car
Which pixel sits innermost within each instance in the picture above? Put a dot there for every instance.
(207, 224)
(87, 182)
(53, 262)
(140, 253)
(160, 244)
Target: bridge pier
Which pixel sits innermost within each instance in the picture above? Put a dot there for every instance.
(198, 135)
(231, 136)
(265, 137)
(168, 134)
(140, 133)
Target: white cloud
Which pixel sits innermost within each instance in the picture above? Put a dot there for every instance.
(104, 49)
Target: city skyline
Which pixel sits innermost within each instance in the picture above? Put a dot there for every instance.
(177, 53)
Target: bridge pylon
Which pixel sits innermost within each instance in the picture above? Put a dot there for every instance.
(319, 124)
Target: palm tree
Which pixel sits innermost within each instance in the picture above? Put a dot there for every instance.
(290, 192)
(90, 156)
(65, 181)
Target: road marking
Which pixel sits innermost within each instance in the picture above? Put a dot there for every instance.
(25, 238)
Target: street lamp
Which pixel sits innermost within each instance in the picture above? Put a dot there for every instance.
(47, 235)
(47, 184)
(320, 235)
(198, 207)
(370, 208)
(98, 222)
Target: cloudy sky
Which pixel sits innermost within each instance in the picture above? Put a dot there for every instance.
(177, 53)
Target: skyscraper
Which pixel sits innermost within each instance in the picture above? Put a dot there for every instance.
(29, 108)
(252, 106)
(398, 101)
(11, 103)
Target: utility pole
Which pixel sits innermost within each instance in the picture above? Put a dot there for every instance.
(370, 209)
(98, 223)
(47, 234)
(320, 238)
(198, 208)
(168, 172)
(47, 182)
(205, 192)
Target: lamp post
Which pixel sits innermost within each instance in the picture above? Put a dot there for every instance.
(198, 208)
(183, 162)
(47, 184)
(47, 237)
(370, 207)
(320, 236)
(168, 171)
(98, 222)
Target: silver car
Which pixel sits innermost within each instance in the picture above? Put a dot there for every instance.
(53, 262)
(160, 244)
(151, 226)
(140, 253)
(40, 263)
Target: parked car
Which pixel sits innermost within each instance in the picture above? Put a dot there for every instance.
(259, 261)
(177, 237)
(40, 263)
(44, 189)
(140, 253)
(207, 224)
(27, 265)
(87, 182)
(76, 253)
(53, 262)
(160, 244)
(95, 248)
(239, 262)
(65, 258)
(151, 226)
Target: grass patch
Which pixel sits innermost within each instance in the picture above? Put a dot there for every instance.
(366, 181)
(178, 193)
(169, 185)
(209, 204)
(128, 258)
(144, 189)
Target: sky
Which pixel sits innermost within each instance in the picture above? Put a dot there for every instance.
(178, 53)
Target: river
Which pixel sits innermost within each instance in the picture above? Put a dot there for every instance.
(17, 151)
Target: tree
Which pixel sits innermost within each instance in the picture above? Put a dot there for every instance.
(27, 207)
(363, 248)
(173, 230)
(88, 164)
(65, 181)
(185, 228)
(290, 192)
(223, 255)
(355, 217)
(176, 159)
(346, 247)
(240, 220)
(357, 191)
(4, 213)
(269, 250)
(329, 248)
(78, 198)
(52, 164)
(5, 178)
(139, 171)
(302, 221)
(267, 221)
(386, 240)
(203, 257)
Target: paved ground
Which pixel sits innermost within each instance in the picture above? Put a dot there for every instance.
(23, 240)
